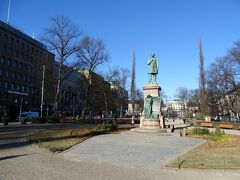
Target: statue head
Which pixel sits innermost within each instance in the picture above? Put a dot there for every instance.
(153, 55)
(149, 96)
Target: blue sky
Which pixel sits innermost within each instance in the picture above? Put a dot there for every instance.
(169, 28)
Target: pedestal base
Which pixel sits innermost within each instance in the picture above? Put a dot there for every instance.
(150, 124)
(163, 132)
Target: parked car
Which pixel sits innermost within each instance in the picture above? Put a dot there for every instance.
(26, 116)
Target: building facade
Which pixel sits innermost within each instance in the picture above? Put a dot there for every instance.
(120, 99)
(176, 107)
(21, 71)
(97, 98)
(72, 90)
(138, 108)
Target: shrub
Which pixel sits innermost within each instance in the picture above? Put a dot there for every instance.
(200, 131)
(218, 132)
(109, 125)
(53, 119)
(38, 120)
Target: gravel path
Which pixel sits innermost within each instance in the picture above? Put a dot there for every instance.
(27, 162)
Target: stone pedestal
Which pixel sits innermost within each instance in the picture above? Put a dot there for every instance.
(151, 123)
(152, 89)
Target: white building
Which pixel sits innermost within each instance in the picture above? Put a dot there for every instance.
(176, 106)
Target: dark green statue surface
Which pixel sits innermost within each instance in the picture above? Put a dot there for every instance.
(152, 106)
(152, 69)
(148, 107)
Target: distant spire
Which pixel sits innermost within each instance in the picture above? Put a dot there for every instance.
(133, 85)
(201, 66)
(203, 106)
(8, 15)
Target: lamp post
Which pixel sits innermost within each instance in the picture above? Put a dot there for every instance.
(42, 90)
(20, 111)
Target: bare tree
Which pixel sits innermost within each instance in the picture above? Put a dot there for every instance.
(62, 39)
(234, 53)
(221, 81)
(133, 85)
(182, 94)
(140, 98)
(122, 81)
(91, 55)
(109, 76)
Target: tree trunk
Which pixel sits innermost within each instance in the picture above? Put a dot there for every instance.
(106, 103)
(121, 109)
(59, 81)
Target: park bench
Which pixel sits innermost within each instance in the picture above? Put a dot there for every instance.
(206, 124)
(226, 126)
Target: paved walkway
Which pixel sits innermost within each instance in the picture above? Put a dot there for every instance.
(144, 150)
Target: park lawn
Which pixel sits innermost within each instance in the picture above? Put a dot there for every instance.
(217, 153)
(59, 140)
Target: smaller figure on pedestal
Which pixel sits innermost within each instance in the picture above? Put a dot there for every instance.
(153, 69)
(148, 107)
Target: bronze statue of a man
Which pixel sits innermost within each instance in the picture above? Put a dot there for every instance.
(152, 69)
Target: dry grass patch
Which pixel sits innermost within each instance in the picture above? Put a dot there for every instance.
(217, 153)
(59, 140)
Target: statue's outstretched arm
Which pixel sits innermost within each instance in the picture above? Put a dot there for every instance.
(149, 61)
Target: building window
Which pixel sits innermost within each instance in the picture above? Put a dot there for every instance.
(14, 64)
(14, 75)
(6, 37)
(6, 85)
(12, 40)
(5, 49)
(9, 74)
(17, 43)
(9, 86)
(9, 62)
(1, 72)
(10, 51)
(6, 73)
(16, 54)
(2, 60)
